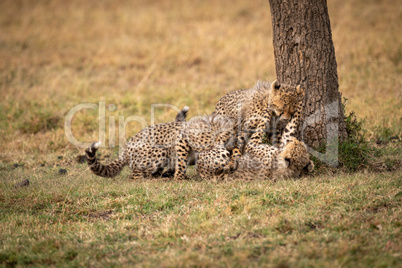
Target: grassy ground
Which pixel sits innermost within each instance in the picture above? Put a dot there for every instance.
(55, 55)
(79, 219)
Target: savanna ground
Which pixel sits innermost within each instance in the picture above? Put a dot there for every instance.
(58, 54)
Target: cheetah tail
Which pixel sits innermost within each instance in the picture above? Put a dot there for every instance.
(108, 171)
(181, 116)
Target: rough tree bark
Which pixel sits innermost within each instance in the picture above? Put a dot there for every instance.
(305, 54)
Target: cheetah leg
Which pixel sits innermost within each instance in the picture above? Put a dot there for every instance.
(235, 156)
(182, 155)
(232, 165)
(290, 131)
(212, 163)
(137, 174)
(256, 138)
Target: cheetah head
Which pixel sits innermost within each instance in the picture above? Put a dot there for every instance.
(285, 99)
(293, 159)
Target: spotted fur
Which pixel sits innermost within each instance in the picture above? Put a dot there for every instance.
(148, 152)
(213, 161)
(167, 145)
(260, 109)
(259, 161)
(264, 161)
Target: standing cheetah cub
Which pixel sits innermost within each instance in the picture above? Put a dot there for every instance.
(255, 109)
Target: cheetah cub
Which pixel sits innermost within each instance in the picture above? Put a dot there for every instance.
(165, 145)
(260, 161)
(148, 152)
(256, 109)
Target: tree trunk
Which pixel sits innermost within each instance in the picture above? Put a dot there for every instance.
(305, 54)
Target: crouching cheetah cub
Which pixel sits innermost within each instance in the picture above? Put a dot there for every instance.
(148, 152)
(165, 145)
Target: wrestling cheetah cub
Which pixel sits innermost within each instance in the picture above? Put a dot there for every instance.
(260, 161)
(268, 162)
(255, 109)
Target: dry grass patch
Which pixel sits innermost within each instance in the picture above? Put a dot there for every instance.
(77, 217)
(57, 54)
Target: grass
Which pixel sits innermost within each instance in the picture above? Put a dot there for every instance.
(81, 219)
(58, 54)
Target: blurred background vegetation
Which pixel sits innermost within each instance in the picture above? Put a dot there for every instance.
(57, 54)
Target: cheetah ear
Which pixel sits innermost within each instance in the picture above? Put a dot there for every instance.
(275, 85)
(299, 90)
(287, 162)
(310, 166)
(301, 93)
